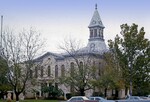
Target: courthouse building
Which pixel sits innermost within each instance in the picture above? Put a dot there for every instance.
(53, 65)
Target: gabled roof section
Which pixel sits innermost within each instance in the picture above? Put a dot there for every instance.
(48, 54)
(96, 20)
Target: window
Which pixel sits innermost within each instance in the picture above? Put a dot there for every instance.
(72, 74)
(79, 99)
(50, 84)
(72, 89)
(62, 70)
(99, 69)
(99, 33)
(36, 72)
(56, 85)
(72, 68)
(81, 67)
(73, 100)
(49, 71)
(98, 99)
(56, 71)
(42, 71)
(95, 32)
(91, 33)
(102, 32)
(31, 73)
(91, 98)
(81, 64)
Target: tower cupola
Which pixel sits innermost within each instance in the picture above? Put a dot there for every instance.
(96, 39)
(96, 26)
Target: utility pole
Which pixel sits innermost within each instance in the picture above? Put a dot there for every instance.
(1, 39)
(1, 30)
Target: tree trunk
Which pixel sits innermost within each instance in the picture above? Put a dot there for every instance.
(126, 90)
(116, 93)
(17, 96)
(105, 92)
(82, 92)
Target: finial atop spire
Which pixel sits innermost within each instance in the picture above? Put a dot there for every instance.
(96, 20)
(95, 6)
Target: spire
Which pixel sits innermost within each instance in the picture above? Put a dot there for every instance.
(95, 6)
(96, 20)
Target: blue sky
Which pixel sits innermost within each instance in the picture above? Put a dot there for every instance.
(58, 19)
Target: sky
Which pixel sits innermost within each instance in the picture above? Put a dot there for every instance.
(57, 20)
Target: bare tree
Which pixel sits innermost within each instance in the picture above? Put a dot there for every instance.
(19, 51)
(79, 74)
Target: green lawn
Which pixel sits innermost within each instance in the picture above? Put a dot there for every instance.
(34, 101)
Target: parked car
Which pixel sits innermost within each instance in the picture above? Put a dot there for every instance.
(77, 99)
(133, 99)
(100, 99)
(144, 97)
(148, 96)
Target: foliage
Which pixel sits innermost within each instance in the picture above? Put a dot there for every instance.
(4, 84)
(111, 74)
(52, 91)
(133, 53)
(112, 71)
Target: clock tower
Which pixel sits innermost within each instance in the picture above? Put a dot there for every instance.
(96, 28)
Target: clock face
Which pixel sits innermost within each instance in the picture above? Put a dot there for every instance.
(93, 22)
(99, 22)
(92, 46)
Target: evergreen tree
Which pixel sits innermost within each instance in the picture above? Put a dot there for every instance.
(4, 84)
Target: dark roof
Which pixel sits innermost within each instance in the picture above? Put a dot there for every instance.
(48, 54)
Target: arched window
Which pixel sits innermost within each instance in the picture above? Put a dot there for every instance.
(36, 72)
(62, 70)
(71, 74)
(31, 73)
(56, 71)
(49, 58)
(72, 68)
(42, 71)
(81, 64)
(99, 69)
(48, 71)
(81, 69)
